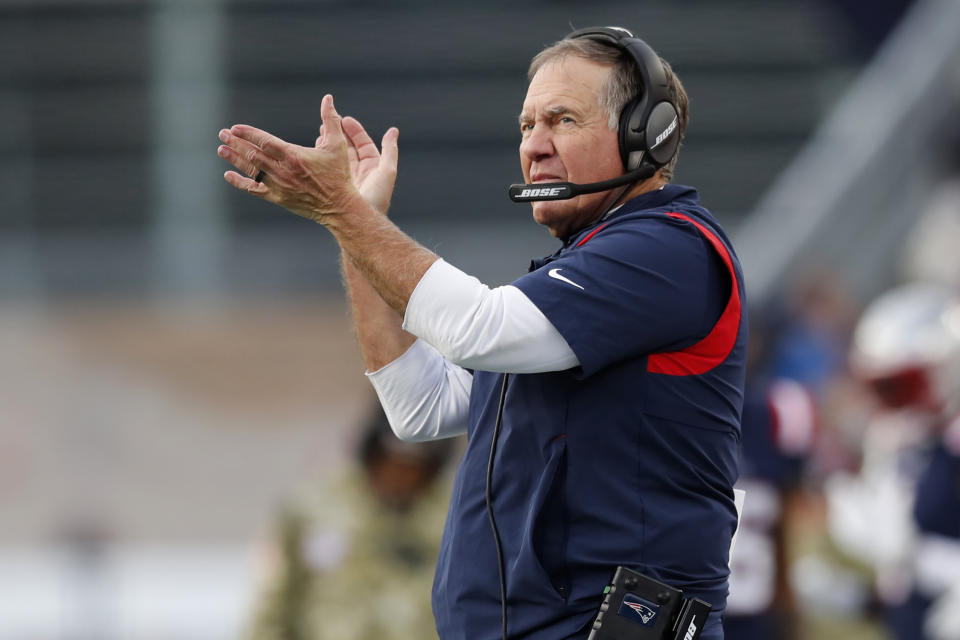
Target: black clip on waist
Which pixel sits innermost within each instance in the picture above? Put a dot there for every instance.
(637, 607)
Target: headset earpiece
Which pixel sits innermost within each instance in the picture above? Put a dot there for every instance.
(649, 124)
(662, 134)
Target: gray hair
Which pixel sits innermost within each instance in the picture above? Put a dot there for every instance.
(622, 84)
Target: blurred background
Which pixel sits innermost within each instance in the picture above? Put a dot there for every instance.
(180, 394)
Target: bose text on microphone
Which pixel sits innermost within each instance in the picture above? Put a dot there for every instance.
(567, 190)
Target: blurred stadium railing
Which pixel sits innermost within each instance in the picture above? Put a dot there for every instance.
(846, 202)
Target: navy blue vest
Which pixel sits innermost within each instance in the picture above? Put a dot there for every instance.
(629, 459)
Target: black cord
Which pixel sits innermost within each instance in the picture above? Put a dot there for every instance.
(613, 203)
(493, 522)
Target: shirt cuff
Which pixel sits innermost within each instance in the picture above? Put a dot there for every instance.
(424, 396)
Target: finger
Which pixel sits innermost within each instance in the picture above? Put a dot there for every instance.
(353, 156)
(390, 148)
(245, 155)
(333, 131)
(358, 137)
(249, 162)
(351, 150)
(249, 185)
(271, 144)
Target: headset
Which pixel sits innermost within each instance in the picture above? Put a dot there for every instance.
(649, 128)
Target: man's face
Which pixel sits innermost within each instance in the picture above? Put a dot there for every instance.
(566, 138)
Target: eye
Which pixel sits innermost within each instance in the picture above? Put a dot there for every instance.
(526, 127)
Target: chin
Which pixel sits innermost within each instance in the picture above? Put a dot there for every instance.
(545, 213)
(550, 218)
(563, 217)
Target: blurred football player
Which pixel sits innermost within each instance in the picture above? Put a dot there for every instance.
(901, 512)
(778, 434)
(354, 560)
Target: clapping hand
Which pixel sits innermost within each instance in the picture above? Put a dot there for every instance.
(374, 172)
(320, 182)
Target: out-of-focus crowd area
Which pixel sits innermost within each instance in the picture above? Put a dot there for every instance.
(188, 446)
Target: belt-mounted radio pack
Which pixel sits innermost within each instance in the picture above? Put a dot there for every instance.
(637, 607)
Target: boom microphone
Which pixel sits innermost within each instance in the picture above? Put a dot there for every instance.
(567, 190)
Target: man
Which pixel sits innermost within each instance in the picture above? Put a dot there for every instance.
(612, 372)
(372, 530)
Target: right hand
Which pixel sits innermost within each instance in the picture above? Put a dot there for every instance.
(374, 172)
(314, 182)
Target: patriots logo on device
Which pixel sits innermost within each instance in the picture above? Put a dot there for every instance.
(639, 610)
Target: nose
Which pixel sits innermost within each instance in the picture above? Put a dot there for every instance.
(538, 143)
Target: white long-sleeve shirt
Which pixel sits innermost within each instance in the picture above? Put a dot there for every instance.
(461, 325)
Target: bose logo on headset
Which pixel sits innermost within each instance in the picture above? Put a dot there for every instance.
(666, 132)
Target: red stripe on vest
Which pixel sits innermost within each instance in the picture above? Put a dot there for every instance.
(591, 234)
(716, 346)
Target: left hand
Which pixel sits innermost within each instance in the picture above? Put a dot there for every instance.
(374, 173)
(312, 182)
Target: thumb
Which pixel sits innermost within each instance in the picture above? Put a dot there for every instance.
(389, 152)
(332, 130)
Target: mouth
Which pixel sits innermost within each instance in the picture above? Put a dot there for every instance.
(540, 178)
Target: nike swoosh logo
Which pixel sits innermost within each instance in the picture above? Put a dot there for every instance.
(555, 273)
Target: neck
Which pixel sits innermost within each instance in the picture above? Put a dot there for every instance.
(652, 183)
(618, 196)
